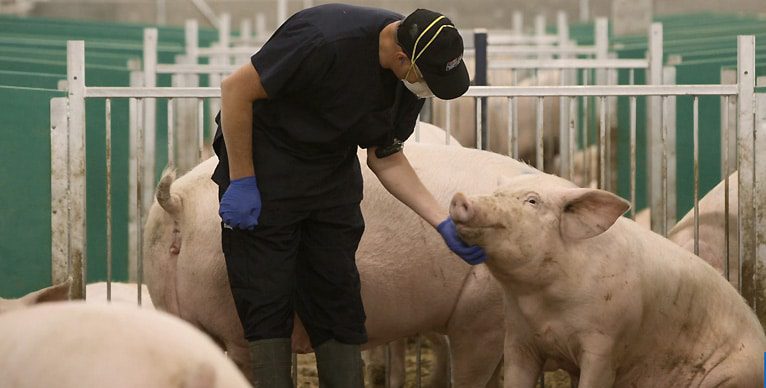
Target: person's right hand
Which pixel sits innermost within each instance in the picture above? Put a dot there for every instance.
(241, 204)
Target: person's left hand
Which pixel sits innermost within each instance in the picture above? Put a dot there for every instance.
(471, 254)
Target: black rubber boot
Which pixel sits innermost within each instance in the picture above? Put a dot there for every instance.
(272, 361)
(339, 365)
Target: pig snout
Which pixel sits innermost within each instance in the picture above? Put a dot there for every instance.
(461, 209)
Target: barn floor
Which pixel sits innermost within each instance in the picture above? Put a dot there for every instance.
(307, 373)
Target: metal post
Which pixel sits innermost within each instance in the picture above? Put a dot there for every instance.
(162, 17)
(564, 157)
(751, 279)
(539, 26)
(224, 37)
(517, 24)
(59, 194)
(480, 78)
(654, 133)
(78, 262)
(149, 117)
(728, 121)
(281, 11)
(260, 27)
(760, 205)
(669, 116)
(584, 11)
(245, 32)
(191, 35)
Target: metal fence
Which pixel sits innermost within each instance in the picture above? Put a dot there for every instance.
(68, 154)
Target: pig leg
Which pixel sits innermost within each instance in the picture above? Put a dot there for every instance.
(523, 362)
(475, 330)
(596, 368)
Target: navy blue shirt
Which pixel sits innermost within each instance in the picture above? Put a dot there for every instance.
(327, 94)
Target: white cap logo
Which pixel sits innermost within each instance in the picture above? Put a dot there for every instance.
(451, 64)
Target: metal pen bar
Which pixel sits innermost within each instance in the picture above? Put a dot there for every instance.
(539, 134)
(570, 64)
(601, 90)
(515, 121)
(602, 145)
(171, 134)
(511, 134)
(572, 134)
(448, 120)
(200, 127)
(478, 122)
(726, 187)
(664, 182)
(418, 361)
(631, 77)
(696, 177)
(586, 133)
(139, 197)
(633, 157)
(108, 110)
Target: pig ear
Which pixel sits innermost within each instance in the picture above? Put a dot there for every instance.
(586, 213)
(57, 293)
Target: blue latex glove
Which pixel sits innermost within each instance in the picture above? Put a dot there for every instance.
(472, 254)
(241, 204)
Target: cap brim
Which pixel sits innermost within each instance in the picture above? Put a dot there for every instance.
(452, 85)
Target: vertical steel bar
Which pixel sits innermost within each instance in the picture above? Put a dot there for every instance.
(571, 143)
(760, 207)
(602, 145)
(515, 121)
(418, 361)
(539, 134)
(281, 11)
(586, 133)
(448, 120)
(632, 77)
(60, 198)
(108, 110)
(200, 127)
(696, 128)
(517, 23)
(669, 121)
(654, 120)
(139, 199)
(664, 169)
(633, 157)
(77, 171)
(479, 140)
(149, 114)
(171, 134)
(725, 150)
(509, 127)
(746, 167)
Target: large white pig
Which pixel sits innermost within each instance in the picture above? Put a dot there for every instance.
(411, 282)
(75, 344)
(712, 226)
(122, 293)
(604, 297)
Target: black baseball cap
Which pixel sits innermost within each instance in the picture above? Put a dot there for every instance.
(433, 43)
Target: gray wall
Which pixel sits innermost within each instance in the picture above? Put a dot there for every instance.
(465, 13)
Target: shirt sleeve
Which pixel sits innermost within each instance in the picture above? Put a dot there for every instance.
(293, 59)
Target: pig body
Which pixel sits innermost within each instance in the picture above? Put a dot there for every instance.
(74, 344)
(712, 226)
(411, 282)
(604, 297)
(123, 293)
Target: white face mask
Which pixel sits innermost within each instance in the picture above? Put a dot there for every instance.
(419, 88)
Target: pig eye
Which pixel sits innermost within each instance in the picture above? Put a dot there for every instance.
(532, 200)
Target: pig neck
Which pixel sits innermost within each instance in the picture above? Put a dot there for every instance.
(524, 274)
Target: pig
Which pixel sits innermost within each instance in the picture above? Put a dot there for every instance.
(123, 293)
(411, 282)
(76, 344)
(712, 235)
(605, 298)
